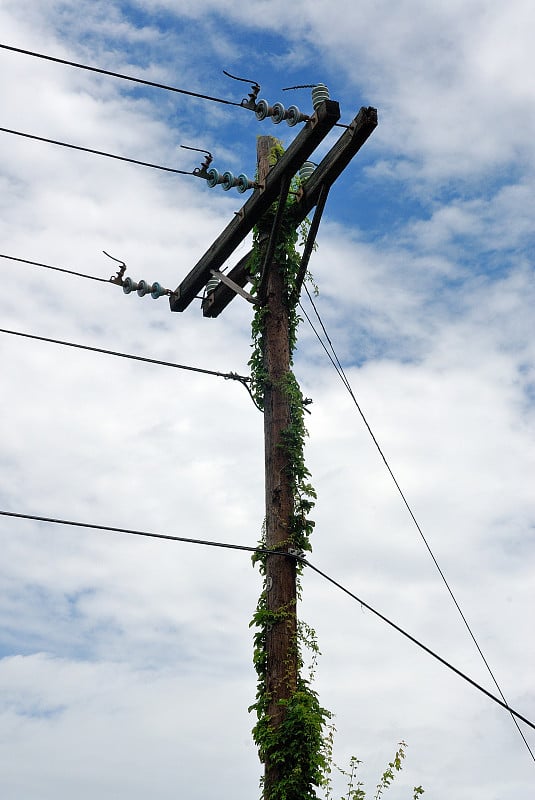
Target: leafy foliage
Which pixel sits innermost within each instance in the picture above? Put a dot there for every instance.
(301, 744)
(297, 745)
(355, 788)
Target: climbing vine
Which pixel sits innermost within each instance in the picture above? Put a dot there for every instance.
(297, 745)
(300, 745)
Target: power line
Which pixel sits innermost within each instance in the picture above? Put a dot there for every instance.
(283, 554)
(133, 532)
(226, 375)
(57, 269)
(343, 377)
(329, 356)
(130, 78)
(422, 646)
(94, 152)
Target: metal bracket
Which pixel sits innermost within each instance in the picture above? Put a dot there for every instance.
(247, 102)
(118, 277)
(202, 171)
(313, 120)
(296, 552)
(234, 286)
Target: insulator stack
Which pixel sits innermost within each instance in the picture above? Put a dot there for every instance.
(306, 170)
(212, 284)
(142, 288)
(158, 291)
(319, 93)
(228, 181)
(293, 116)
(129, 286)
(278, 113)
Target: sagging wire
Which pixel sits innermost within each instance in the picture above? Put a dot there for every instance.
(293, 554)
(141, 81)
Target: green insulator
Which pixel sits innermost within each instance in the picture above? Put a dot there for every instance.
(319, 93)
(228, 181)
(212, 178)
(262, 110)
(306, 170)
(143, 288)
(278, 113)
(212, 284)
(157, 290)
(243, 183)
(129, 286)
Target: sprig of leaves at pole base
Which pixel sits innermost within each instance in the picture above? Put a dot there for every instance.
(355, 788)
(297, 745)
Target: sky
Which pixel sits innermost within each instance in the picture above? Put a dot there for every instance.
(126, 662)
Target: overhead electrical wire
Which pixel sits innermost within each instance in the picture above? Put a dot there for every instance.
(120, 75)
(133, 532)
(57, 269)
(502, 703)
(329, 356)
(244, 381)
(343, 377)
(95, 152)
(283, 554)
(226, 375)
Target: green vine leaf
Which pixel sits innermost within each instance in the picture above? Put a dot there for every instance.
(301, 745)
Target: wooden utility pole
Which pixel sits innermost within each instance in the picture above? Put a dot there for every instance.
(274, 180)
(281, 591)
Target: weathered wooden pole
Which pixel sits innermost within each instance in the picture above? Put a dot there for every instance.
(289, 752)
(281, 591)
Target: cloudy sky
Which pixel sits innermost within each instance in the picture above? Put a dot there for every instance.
(125, 663)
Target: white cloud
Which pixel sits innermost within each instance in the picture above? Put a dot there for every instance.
(127, 662)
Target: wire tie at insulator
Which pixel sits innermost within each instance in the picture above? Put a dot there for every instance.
(247, 102)
(118, 277)
(202, 171)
